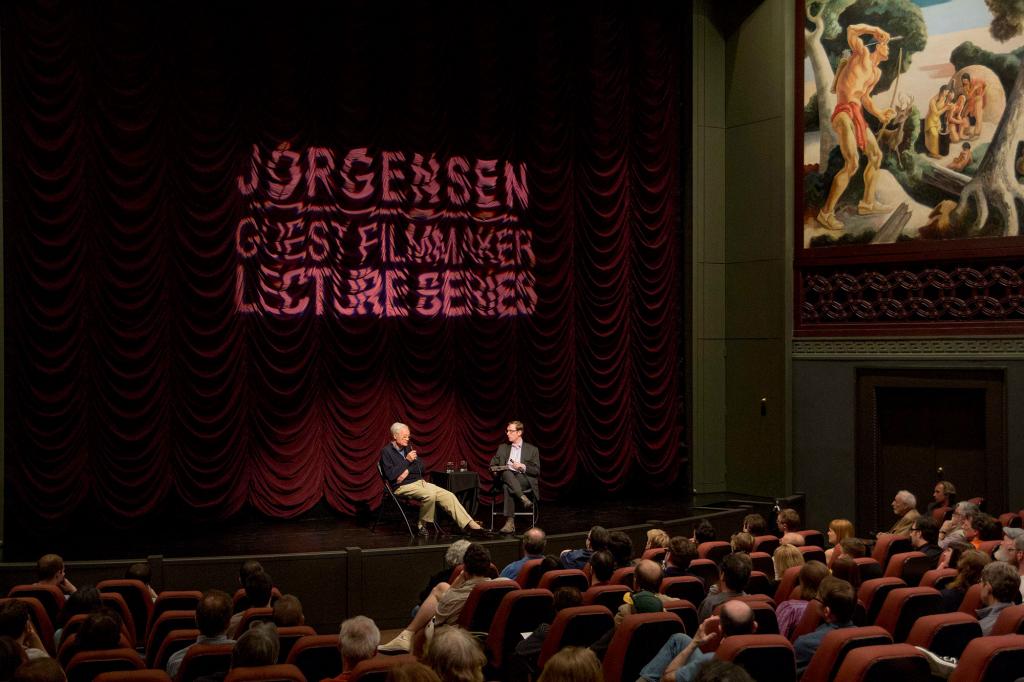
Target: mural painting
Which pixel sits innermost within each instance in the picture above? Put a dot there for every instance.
(913, 121)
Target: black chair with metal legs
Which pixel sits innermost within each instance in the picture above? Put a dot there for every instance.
(498, 491)
(400, 504)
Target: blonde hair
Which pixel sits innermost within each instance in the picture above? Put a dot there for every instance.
(786, 556)
(573, 664)
(657, 539)
(842, 528)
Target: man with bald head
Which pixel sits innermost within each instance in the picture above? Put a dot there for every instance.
(646, 596)
(681, 659)
(534, 541)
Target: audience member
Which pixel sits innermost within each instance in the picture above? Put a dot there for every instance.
(259, 588)
(411, 672)
(456, 656)
(288, 612)
(704, 532)
(904, 505)
(445, 602)
(924, 537)
(953, 529)
(1000, 584)
(680, 659)
(1006, 550)
(524, 660)
(573, 664)
(951, 555)
(50, 571)
(602, 567)
(787, 521)
(213, 614)
(754, 524)
(357, 641)
(795, 539)
(452, 558)
(732, 581)
(247, 568)
(1018, 547)
(969, 567)
(100, 630)
(84, 600)
(16, 624)
(988, 528)
(786, 557)
(838, 530)
(534, 541)
(143, 572)
(40, 670)
(944, 495)
(853, 548)
(646, 596)
(790, 611)
(11, 656)
(838, 601)
(681, 551)
(597, 539)
(742, 542)
(621, 548)
(656, 539)
(844, 568)
(258, 646)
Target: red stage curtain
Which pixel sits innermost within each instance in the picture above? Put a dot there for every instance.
(133, 381)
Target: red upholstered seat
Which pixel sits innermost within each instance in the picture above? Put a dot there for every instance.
(809, 622)
(765, 657)
(655, 554)
(837, 644)
(569, 577)
(376, 669)
(175, 641)
(884, 663)
(937, 577)
(766, 543)
(1010, 622)
(812, 553)
(146, 675)
(972, 600)
(172, 600)
(760, 584)
(886, 545)
(939, 514)
(872, 593)
(687, 587)
(70, 647)
(317, 656)
(706, 570)
(637, 639)
(714, 551)
(909, 566)
(991, 659)
(868, 568)
(527, 576)
(205, 659)
(115, 602)
(482, 604)
(989, 546)
(86, 665)
(903, 606)
(812, 538)
(137, 598)
(280, 672)
(623, 576)
(945, 634)
(609, 596)
(253, 615)
(288, 636)
(786, 584)
(575, 626)
(519, 611)
(687, 612)
(50, 596)
(40, 620)
(165, 623)
(762, 561)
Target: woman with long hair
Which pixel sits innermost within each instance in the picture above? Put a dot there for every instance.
(786, 556)
(838, 530)
(968, 568)
(792, 610)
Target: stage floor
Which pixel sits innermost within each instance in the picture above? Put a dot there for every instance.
(317, 531)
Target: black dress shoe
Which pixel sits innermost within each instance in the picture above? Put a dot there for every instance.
(476, 532)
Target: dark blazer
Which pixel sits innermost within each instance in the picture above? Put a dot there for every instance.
(530, 457)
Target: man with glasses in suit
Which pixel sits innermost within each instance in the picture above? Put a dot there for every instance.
(519, 465)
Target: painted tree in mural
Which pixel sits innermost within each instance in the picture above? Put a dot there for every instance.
(994, 189)
(824, 16)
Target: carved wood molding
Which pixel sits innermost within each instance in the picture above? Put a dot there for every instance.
(945, 348)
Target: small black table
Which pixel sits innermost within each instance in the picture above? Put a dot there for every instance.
(465, 485)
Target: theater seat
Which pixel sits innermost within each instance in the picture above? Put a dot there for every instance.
(945, 634)
(482, 604)
(172, 600)
(519, 611)
(714, 551)
(147, 675)
(165, 623)
(762, 561)
(40, 621)
(706, 570)
(575, 626)
(136, 596)
(609, 596)
(836, 645)
(637, 639)
(809, 622)
(317, 656)
(623, 576)
(991, 659)
(765, 657)
(813, 538)
(868, 568)
(376, 669)
(871, 596)
(688, 587)
(909, 566)
(938, 577)
(686, 611)
(760, 584)
(784, 590)
(989, 546)
(50, 596)
(655, 554)
(568, 577)
(202, 660)
(175, 641)
(527, 576)
(972, 600)
(86, 665)
(903, 606)
(250, 616)
(886, 545)
(884, 663)
(766, 543)
(288, 636)
(812, 553)
(1010, 622)
(280, 672)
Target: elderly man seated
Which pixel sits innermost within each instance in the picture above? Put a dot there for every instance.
(904, 505)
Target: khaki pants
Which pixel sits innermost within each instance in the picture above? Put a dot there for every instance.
(429, 495)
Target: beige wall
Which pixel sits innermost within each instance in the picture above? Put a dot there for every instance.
(742, 212)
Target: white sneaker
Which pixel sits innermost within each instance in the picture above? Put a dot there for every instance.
(401, 643)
